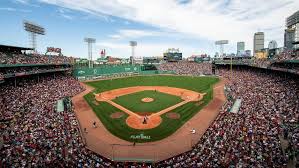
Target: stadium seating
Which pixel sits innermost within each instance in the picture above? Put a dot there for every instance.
(187, 68)
(11, 58)
(287, 55)
(251, 138)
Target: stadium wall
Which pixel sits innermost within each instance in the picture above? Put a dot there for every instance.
(112, 71)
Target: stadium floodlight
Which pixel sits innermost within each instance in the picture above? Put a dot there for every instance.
(221, 43)
(89, 42)
(133, 44)
(33, 30)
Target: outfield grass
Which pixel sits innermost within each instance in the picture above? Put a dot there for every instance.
(119, 128)
(161, 101)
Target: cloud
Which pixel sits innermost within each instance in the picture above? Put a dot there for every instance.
(64, 13)
(26, 2)
(134, 34)
(184, 1)
(235, 20)
(15, 10)
(97, 16)
(22, 1)
(8, 9)
(127, 22)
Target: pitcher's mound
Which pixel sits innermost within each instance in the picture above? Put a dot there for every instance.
(147, 99)
(136, 122)
(117, 115)
(173, 115)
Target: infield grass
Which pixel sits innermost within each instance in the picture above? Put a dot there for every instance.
(161, 101)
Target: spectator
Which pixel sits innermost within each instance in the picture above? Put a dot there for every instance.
(187, 68)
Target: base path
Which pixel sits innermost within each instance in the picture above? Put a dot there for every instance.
(101, 141)
(137, 121)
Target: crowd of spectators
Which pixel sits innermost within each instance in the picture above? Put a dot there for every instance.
(250, 138)
(14, 58)
(287, 55)
(286, 67)
(1, 75)
(187, 68)
(34, 134)
(31, 69)
(262, 63)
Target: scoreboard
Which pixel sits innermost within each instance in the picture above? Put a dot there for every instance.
(173, 56)
(52, 49)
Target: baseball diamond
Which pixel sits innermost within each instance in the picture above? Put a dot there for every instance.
(138, 114)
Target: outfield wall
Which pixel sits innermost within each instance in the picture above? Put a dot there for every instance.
(114, 71)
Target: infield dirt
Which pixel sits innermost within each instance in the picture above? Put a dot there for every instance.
(153, 120)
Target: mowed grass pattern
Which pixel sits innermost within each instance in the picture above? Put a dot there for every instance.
(161, 101)
(119, 128)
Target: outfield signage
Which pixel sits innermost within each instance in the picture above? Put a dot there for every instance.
(105, 70)
(81, 72)
(141, 136)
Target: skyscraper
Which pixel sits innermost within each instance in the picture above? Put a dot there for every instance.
(289, 38)
(258, 41)
(292, 31)
(240, 48)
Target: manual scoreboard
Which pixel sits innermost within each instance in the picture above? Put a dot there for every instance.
(172, 56)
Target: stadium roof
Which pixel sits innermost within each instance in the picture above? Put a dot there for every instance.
(7, 48)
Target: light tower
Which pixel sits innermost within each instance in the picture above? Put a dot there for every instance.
(89, 42)
(33, 30)
(133, 44)
(221, 44)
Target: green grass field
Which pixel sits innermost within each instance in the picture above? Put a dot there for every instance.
(161, 101)
(119, 128)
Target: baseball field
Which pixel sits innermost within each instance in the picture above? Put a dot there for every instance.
(166, 102)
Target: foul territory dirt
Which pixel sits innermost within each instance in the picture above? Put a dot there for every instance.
(101, 141)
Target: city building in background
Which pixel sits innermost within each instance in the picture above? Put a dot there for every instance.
(240, 48)
(248, 53)
(262, 54)
(292, 31)
(289, 37)
(221, 44)
(258, 42)
(272, 44)
(272, 49)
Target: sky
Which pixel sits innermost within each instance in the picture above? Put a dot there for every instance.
(193, 26)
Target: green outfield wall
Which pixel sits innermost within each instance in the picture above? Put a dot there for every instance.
(105, 71)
